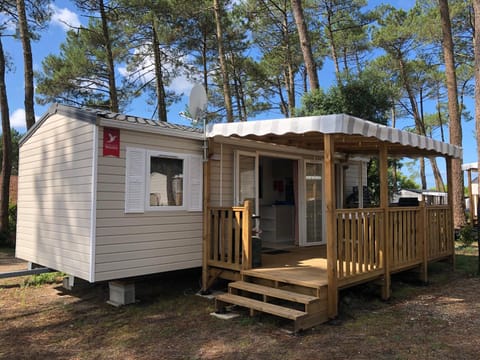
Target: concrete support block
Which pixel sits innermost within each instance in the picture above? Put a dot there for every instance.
(121, 293)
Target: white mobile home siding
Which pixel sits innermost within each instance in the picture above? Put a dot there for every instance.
(221, 176)
(132, 244)
(54, 196)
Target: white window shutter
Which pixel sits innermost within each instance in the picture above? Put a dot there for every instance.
(135, 180)
(195, 183)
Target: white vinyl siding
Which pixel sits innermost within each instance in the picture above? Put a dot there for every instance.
(354, 176)
(222, 176)
(133, 244)
(54, 196)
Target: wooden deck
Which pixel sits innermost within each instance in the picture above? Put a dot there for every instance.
(306, 266)
(365, 245)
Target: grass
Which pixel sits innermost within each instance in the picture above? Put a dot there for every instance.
(170, 322)
(467, 258)
(45, 278)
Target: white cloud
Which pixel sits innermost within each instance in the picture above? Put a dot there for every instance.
(64, 18)
(17, 119)
(181, 84)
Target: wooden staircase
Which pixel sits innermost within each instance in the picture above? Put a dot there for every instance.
(305, 305)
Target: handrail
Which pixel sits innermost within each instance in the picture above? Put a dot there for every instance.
(439, 232)
(359, 246)
(414, 235)
(229, 239)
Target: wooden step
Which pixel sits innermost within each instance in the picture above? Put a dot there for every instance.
(253, 304)
(273, 292)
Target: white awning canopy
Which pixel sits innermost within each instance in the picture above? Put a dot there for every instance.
(470, 166)
(352, 135)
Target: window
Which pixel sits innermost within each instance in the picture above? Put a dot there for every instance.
(165, 181)
(162, 181)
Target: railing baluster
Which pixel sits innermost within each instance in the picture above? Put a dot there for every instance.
(216, 236)
(238, 222)
(230, 230)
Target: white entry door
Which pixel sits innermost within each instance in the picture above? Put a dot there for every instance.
(314, 203)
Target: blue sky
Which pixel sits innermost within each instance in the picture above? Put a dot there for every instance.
(65, 13)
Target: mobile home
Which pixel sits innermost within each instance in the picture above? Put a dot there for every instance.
(105, 196)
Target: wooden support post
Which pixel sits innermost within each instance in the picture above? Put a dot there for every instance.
(330, 223)
(451, 227)
(470, 197)
(383, 169)
(423, 238)
(247, 235)
(206, 222)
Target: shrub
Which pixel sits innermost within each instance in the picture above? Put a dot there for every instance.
(466, 236)
(7, 238)
(45, 278)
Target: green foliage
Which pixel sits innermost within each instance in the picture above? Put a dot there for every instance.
(365, 98)
(16, 136)
(78, 75)
(396, 179)
(8, 238)
(45, 278)
(466, 236)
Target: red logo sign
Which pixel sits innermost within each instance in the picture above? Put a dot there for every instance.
(111, 142)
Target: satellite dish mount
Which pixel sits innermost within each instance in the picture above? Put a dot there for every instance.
(197, 104)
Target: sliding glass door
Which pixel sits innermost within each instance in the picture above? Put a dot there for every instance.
(314, 203)
(246, 178)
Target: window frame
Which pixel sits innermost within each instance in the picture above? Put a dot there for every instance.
(185, 191)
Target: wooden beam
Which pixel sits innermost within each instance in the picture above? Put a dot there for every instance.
(470, 197)
(330, 223)
(384, 201)
(247, 235)
(206, 219)
(423, 237)
(449, 161)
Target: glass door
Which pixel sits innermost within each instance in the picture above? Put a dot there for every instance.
(246, 179)
(314, 203)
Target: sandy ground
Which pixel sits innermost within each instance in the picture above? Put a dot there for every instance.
(9, 263)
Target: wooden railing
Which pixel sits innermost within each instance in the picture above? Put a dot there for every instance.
(404, 236)
(409, 236)
(359, 242)
(439, 234)
(229, 238)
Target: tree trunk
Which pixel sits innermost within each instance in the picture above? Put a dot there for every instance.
(283, 101)
(223, 63)
(159, 86)
(333, 47)
(289, 73)
(437, 175)
(6, 147)
(419, 125)
(423, 177)
(205, 59)
(305, 44)
(112, 87)
(476, 50)
(454, 114)
(27, 63)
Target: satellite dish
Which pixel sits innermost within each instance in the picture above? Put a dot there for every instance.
(198, 102)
